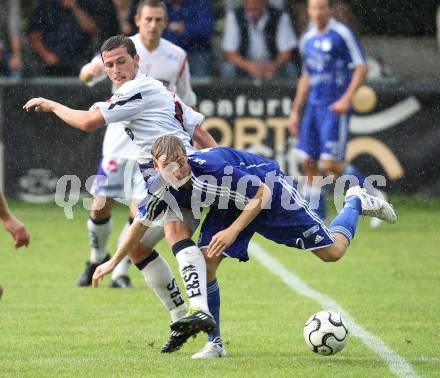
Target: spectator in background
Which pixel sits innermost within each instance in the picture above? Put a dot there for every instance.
(258, 42)
(11, 62)
(59, 30)
(123, 12)
(104, 13)
(190, 26)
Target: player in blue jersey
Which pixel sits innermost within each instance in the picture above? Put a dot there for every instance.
(246, 194)
(334, 66)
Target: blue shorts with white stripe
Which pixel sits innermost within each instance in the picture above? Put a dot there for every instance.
(323, 133)
(295, 226)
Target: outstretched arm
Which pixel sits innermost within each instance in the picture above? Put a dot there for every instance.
(13, 225)
(86, 120)
(134, 235)
(223, 239)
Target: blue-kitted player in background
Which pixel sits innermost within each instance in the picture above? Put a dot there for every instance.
(246, 194)
(334, 66)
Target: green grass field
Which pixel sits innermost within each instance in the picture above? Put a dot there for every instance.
(389, 282)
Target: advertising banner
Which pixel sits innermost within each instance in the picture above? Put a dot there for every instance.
(395, 132)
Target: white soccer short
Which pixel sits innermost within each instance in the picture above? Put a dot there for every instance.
(156, 233)
(119, 178)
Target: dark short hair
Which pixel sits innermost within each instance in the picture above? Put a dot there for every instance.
(152, 4)
(117, 41)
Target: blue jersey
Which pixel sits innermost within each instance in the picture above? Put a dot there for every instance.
(225, 180)
(228, 178)
(221, 177)
(329, 59)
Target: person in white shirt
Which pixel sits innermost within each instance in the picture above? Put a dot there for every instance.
(163, 61)
(258, 42)
(146, 109)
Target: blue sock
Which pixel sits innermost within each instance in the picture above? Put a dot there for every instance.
(346, 221)
(214, 307)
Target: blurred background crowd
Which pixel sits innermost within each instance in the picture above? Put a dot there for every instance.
(56, 37)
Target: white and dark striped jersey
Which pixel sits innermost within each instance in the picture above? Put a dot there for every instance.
(145, 109)
(168, 63)
(226, 179)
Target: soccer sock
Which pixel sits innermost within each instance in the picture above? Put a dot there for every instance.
(214, 307)
(159, 278)
(346, 221)
(192, 268)
(315, 197)
(122, 268)
(99, 232)
(125, 230)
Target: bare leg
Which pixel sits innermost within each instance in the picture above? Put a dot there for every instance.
(333, 252)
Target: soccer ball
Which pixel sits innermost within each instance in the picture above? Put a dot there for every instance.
(325, 333)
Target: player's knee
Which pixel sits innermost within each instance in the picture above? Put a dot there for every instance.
(337, 251)
(101, 208)
(141, 261)
(176, 231)
(309, 165)
(332, 167)
(332, 253)
(140, 253)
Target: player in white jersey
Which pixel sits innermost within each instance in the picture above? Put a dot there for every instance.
(146, 109)
(163, 61)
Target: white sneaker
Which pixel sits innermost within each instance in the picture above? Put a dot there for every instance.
(373, 206)
(376, 222)
(212, 349)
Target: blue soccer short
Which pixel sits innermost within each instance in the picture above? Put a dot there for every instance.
(309, 234)
(323, 133)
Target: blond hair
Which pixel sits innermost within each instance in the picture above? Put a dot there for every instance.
(167, 149)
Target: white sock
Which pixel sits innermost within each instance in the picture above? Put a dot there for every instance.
(98, 237)
(160, 279)
(122, 268)
(192, 268)
(123, 233)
